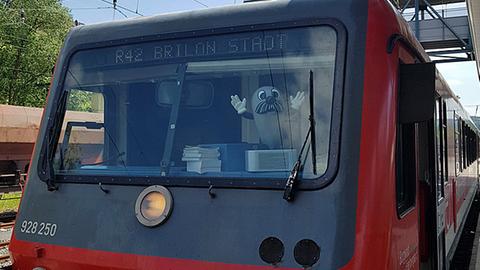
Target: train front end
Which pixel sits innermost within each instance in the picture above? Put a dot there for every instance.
(167, 142)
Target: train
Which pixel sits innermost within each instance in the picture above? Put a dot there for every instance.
(19, 127)
(18, 132)
(282, 134)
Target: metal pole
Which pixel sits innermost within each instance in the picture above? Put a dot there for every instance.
(417, 19)
(445, 23)
(405, 6)
(172, 124)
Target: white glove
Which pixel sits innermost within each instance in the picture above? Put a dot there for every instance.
(296, 102)
(239, 105)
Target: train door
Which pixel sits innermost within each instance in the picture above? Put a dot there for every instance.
(432, 151)
(432, 162)
(431, 198)
(417, 147)
(441, 177)
(431, 172)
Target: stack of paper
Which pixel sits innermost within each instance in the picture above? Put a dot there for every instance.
(202, 159)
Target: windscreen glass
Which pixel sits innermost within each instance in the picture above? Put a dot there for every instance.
(233, 105)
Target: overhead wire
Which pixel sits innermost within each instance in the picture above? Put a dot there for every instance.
(90, 8)
(201, 3)
(121, 12)
(122, 7)
(56, 9)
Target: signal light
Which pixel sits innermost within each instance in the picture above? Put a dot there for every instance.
(153, 206)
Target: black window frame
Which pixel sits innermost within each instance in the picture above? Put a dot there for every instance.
(457, 137)
(405, 180)
(464, 145)
(445, 138)
(406, 168)
(441, 146)
(261, 183)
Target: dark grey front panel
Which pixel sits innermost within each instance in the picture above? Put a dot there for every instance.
(228, 228)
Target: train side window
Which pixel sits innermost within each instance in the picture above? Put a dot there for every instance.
(406, 168)
(474, 146)
(477, 147)
(440, 134)
(475, 143)
(458, 143)
(471, 146)
(445, 140)
(464, 145)
(416, 90)
(467, 146)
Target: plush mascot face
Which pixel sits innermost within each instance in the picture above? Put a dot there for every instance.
(267, 99)
(268, 106)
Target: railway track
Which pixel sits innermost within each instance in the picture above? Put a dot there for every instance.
(4, 255)
(468, 247)
(10, 188)
(7, 217)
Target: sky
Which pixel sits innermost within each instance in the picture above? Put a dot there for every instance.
(462, 77)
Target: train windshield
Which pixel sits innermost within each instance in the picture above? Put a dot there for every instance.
(218, 106)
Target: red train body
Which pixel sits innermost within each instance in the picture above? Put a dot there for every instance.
(395, 192)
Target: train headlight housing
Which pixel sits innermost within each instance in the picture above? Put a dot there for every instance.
(153, 206)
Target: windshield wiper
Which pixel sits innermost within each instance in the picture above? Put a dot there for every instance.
(288, 193)
(313, 145)
(46, 172)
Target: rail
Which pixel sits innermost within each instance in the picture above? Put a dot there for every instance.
(5, 257)
(9, 183)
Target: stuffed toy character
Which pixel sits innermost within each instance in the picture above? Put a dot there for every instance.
(270, 114)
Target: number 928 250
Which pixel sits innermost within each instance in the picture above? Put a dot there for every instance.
(40, 228)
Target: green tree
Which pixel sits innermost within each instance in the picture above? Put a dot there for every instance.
(31, 34)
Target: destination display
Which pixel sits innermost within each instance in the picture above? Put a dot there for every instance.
(299, 41)
(209, 47)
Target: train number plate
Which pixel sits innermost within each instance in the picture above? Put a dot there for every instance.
(39, 228)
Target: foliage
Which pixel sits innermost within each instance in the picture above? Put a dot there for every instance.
(31, 34)
(80, 101)
(9, 201)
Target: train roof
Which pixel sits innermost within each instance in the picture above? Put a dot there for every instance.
(251, 13)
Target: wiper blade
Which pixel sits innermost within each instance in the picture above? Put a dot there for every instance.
(288, 193)
(46, 172)
(312, 126)
(291, 181)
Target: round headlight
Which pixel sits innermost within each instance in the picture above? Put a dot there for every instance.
(153, 205)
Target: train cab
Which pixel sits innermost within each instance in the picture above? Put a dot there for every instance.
(289, 134)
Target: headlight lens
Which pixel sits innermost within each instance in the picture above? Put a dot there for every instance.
(153, 205)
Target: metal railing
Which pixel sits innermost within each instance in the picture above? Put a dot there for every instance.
(445, 12)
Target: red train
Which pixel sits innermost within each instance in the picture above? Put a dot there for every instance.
(274, 134)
